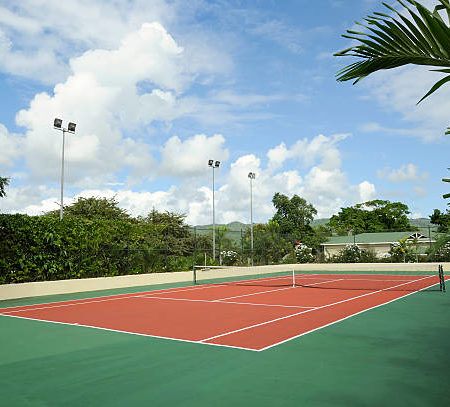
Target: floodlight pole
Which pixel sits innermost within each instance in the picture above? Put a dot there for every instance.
(57, 124)
(251, 175)
(61, 209)
(214, 165)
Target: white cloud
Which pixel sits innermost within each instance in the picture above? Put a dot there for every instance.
(367, 191)
(102, 97)
(47, 34)
(322, 183)
(400, 89)
(10, 147)
(308, 152)
(189, 158)
(406, 173)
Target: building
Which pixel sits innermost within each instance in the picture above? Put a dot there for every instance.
(379, 243)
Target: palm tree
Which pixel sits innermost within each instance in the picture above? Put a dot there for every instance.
(392, 42)
(4, 182)
(445, 196)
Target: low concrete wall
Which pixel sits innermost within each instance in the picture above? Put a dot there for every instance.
(40, 288)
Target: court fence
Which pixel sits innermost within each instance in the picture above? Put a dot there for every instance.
(232, 247)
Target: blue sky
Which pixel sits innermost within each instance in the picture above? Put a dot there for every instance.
(159, 87)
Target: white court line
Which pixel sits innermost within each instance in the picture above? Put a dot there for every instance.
(103, 298)
(222, 345)
(342, 319)
(130, 333)
(131, 295)
(225, 302)
(247, 295)
(68, 305)
(304, 312)
(271, 291)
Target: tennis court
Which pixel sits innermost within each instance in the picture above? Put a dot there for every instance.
(252, 313)
(243, 340)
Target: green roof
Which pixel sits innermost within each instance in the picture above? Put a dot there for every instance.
(382, 237)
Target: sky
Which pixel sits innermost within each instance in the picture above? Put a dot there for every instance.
(159, 87)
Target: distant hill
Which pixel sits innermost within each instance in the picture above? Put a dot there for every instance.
(320, 221)
(421, 222)
(233, 226)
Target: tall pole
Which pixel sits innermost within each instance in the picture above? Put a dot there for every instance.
(214, 221)
(61, 209)
(57, 124)
(214, 164)
(251, 215)
(252, 176)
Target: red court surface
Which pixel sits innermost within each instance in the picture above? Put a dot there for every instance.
(250, 315)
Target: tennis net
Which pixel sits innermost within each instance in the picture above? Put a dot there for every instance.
(379, 278)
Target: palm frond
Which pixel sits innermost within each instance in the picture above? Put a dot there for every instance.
(394, 41)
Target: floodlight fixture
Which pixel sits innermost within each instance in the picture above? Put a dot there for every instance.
(57, 123)
(71, 127)
(217, 163)
(210, 162)
(251, 175)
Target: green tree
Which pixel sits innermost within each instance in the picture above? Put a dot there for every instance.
(393, 42)
(95, 208)
(175, 235)
(4, 182)
(222, 240)
(441, 219)
(445, 196)
(401, 250)
(294, 216)
(372, 216)
(269, 246)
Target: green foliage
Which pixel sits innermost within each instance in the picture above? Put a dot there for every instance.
(351, 253)
(446, 196)
(441, 249)
(270, 246)
(372, 216)
(390, 41)
(4, 182)
(229, 257)
(294, 216)
(368, 256)
(441, 219)
(40, 248)
(303, 253)
(94, 208)
(401, 251)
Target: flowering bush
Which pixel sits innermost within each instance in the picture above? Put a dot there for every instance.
(229, 257)
(303, 253)
(351, 253)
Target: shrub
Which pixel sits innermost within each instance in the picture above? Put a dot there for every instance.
(401, 251)
(303, 253)
(368, 256)
(229, 257)
(351, 253)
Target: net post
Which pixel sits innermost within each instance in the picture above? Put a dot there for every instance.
(194, 275)
(441, 278)
(293, 278)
